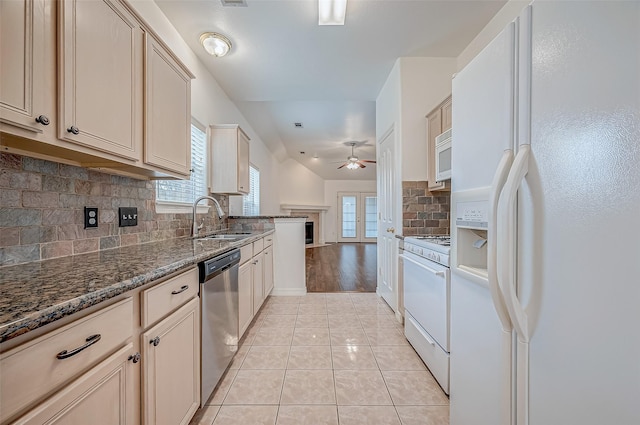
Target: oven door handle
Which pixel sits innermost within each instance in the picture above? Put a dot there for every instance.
(441, 273)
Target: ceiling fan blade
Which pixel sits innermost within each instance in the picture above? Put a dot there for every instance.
(361, 164)
(368, 160)
(343, 165)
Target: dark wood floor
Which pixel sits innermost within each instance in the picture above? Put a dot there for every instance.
(342, 267)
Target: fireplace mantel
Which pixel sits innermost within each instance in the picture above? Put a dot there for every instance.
(293, 207)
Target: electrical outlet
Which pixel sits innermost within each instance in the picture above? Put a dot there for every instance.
(128, 216)
(90, 217)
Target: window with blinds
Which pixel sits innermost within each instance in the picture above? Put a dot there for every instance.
(251, 201)
(186, 191)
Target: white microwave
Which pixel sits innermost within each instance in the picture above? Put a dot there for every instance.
(443, 156)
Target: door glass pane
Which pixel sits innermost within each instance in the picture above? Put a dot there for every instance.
(348, 216)
(370, 217)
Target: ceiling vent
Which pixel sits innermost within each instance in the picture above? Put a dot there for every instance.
(234, 3)
(297, 124)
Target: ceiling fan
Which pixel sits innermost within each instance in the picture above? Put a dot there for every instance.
(353, 162)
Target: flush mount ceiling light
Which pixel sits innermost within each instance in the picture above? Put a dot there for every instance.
(331, 12)
(215, 44)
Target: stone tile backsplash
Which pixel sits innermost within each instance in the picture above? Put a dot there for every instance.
(42, 211)
(424, 212)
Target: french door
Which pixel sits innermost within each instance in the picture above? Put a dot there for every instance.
(357, 217)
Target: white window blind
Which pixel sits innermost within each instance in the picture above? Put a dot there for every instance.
(251, 202)
(186, 191)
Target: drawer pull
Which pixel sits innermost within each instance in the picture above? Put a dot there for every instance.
(73, 129)
(90, 341)
(182, 289)
(155, 341)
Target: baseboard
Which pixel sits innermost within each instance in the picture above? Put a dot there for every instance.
(288, 292)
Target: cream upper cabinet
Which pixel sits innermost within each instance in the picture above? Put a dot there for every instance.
(102, 396)
(171, 367)
(229, 160)
(23, 26)
(100, 77)
(167, 137)
(438, 121)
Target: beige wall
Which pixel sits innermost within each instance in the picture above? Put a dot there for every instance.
(211, 105)
(298, 185)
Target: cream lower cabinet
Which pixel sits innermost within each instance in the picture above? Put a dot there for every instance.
(245, 296)
(268, 270)
(171, 367)
(102, 396)
(255, 279)
(258, 281)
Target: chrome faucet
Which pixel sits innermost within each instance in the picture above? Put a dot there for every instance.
(195, 228)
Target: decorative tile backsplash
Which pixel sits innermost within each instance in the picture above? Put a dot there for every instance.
(42, 211)
(424, 212)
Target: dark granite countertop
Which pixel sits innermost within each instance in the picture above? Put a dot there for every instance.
(35, 294)
(246, 217)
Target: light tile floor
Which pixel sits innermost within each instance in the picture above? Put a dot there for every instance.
(326, 359)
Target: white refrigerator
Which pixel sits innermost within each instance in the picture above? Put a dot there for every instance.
(545, 291)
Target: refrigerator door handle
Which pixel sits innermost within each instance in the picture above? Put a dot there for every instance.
(499, 179)
(506, 249)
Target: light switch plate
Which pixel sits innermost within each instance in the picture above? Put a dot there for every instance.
(90, 217)
(128, 216)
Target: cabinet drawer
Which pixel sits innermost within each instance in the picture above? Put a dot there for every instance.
(246, 253)
(258, 246)
(33, 370)
(268, 241)
(165, 297)
(436, 359)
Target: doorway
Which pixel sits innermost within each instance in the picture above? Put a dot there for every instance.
(357, 217)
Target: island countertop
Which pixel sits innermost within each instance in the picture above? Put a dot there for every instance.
(35, 294)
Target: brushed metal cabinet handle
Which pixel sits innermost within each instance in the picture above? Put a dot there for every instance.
(155, 341)
(73, 129)
(42, 119)
(65, 354)
(181, 290)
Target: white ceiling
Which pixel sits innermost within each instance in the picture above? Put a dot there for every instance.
(285, 68)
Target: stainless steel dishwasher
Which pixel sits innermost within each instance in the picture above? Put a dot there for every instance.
(219, 318)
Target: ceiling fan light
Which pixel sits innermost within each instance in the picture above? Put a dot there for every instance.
(353, 166)
(215, 44)
(332, 12)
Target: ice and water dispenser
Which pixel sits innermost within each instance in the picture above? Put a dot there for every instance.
(471, 212)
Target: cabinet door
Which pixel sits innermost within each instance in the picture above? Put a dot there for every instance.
(446, 114)
(100, 77)
(22, 31)
(171, 367)
(243, 162)
(245, 296)
(167, 138)
(258, 279)
(268, 271)
(102, 396)
(434, 129)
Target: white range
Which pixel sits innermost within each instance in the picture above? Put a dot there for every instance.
(427, 301)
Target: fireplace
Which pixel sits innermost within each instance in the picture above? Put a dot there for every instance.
(308, 232)
(313, 234)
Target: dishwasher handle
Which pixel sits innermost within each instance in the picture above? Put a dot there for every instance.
(211, 268)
